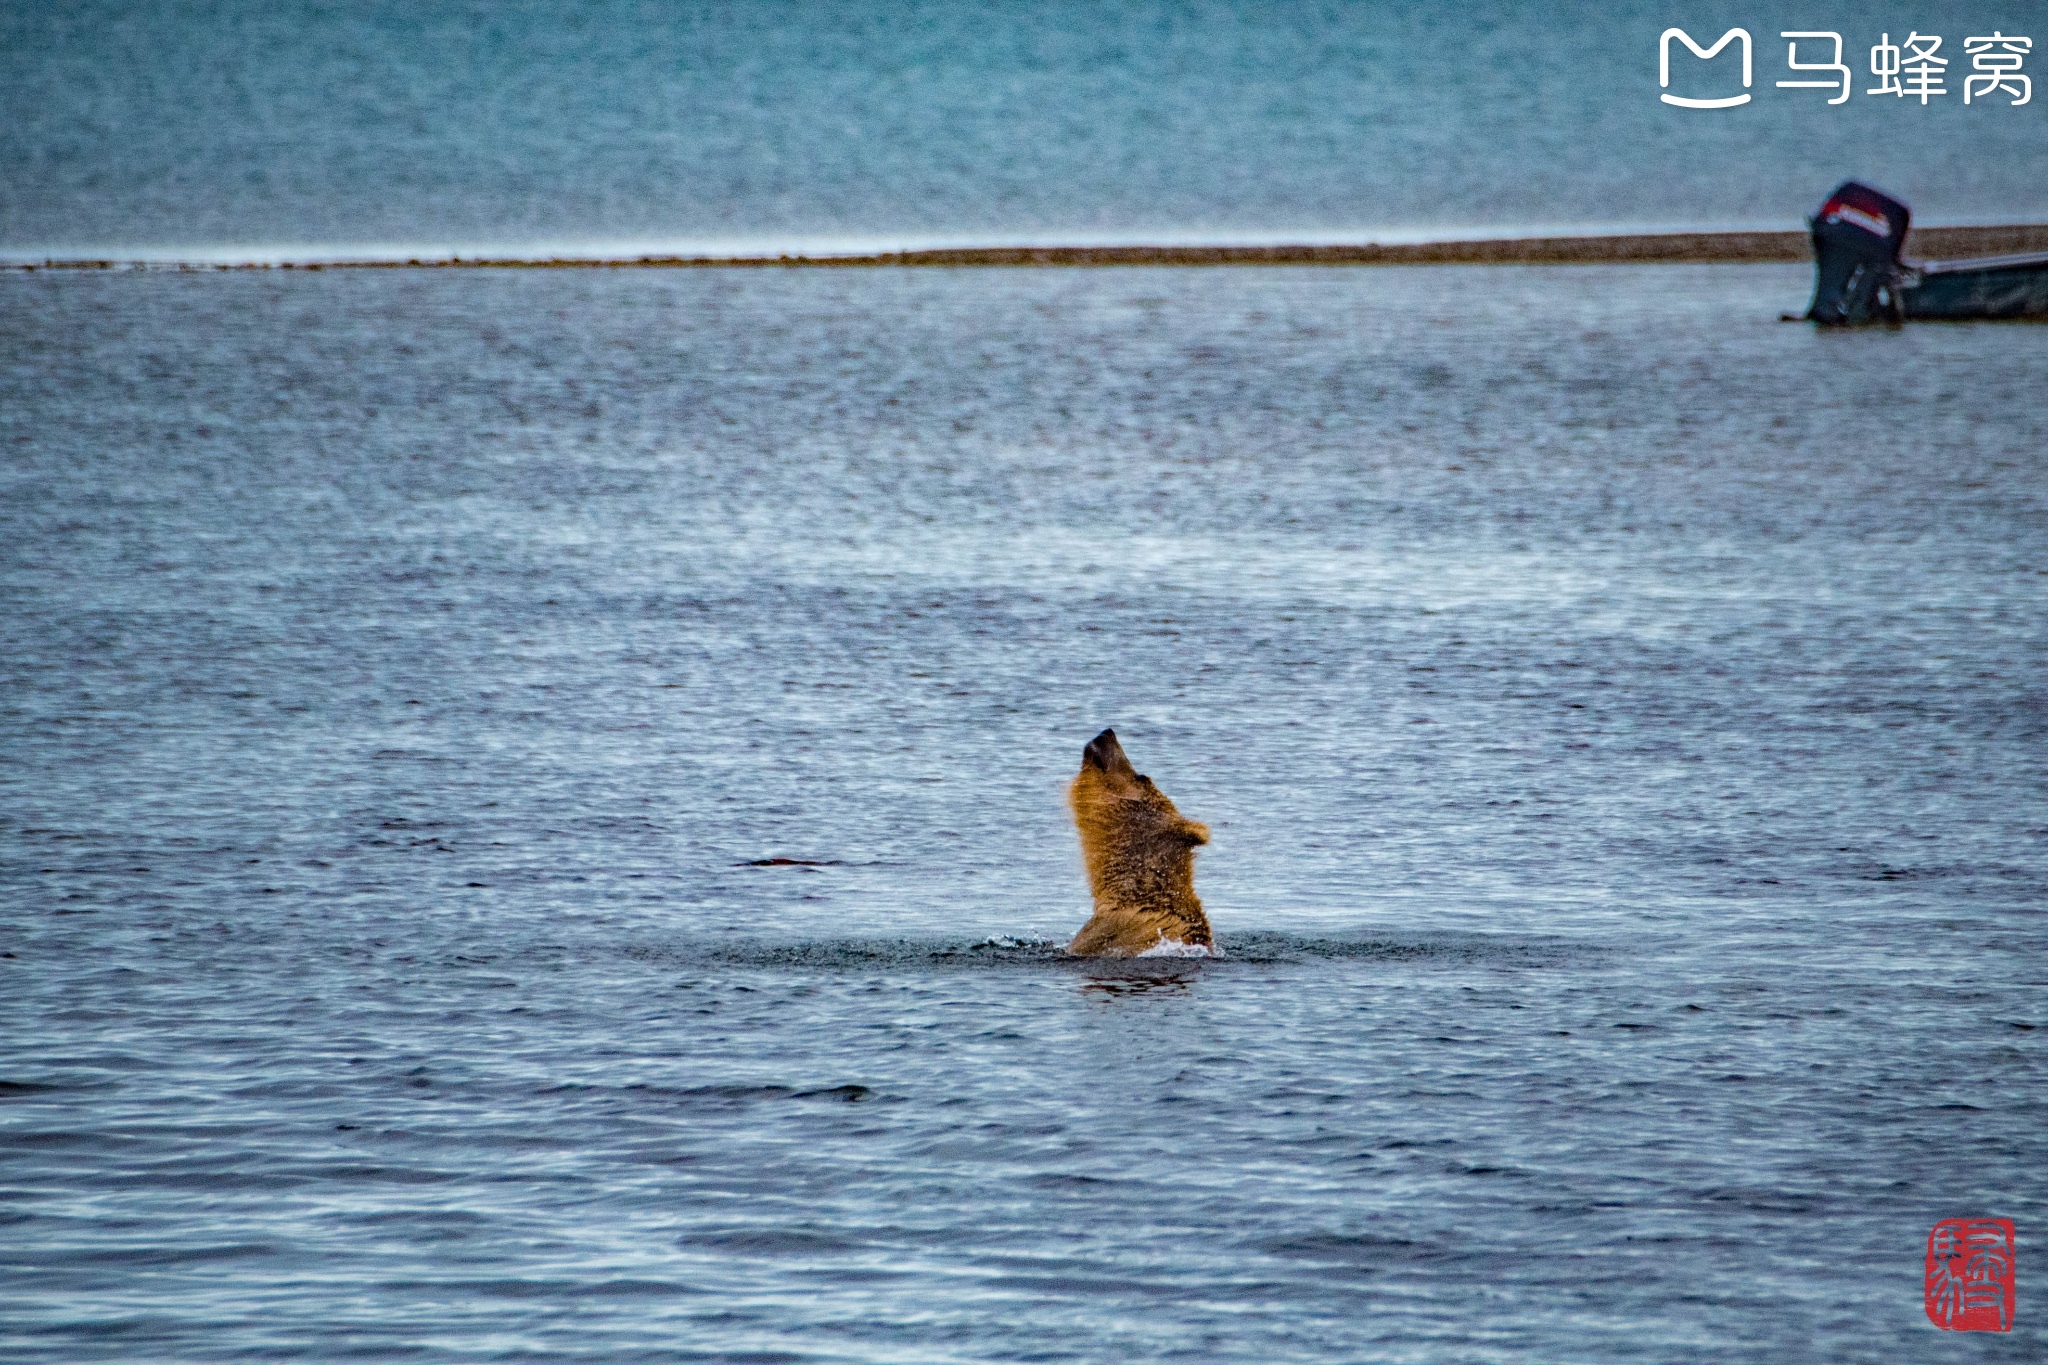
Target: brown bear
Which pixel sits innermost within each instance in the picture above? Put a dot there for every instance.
(1140, 854)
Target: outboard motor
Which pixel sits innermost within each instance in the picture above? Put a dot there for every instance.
(1856, 240)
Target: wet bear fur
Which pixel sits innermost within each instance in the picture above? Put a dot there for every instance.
(1140, 855)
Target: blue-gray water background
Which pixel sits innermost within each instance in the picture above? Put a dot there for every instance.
(1620, 715)
(260, 129)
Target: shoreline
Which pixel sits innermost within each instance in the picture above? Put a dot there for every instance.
(1660, 248)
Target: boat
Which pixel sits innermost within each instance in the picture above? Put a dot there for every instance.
(1861, 274)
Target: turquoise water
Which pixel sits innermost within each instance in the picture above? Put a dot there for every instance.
(257, 130)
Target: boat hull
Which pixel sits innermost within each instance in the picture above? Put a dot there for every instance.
(1959, 291)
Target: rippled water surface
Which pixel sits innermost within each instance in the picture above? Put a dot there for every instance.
(303, 129)
(1620, 717)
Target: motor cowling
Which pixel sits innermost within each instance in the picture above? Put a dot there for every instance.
(1857, 237)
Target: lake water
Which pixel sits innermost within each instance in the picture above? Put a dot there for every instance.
(260, 129)
(1620, 716)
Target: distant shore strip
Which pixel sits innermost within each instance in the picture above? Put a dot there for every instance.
(1661, 248)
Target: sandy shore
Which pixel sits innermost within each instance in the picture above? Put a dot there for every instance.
(1949, 243)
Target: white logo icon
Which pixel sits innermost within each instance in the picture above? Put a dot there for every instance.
(1705, 54)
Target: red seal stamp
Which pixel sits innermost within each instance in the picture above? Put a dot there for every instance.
(1970, 1274)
